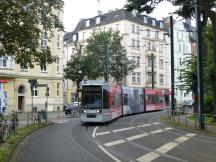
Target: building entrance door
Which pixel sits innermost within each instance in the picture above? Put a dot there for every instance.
(21, 97)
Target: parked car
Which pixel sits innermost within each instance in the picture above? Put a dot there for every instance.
(67, 109)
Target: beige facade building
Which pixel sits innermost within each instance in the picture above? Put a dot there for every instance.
(144, 38)
(15, 92)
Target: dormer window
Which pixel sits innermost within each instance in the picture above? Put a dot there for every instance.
(87, 23)
(145, 19)
(153, 22)
(161, 24)
(74, 37)
(98, 20)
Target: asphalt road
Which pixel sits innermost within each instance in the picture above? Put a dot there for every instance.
(134, 138)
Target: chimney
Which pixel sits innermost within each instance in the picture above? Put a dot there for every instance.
(99, 12)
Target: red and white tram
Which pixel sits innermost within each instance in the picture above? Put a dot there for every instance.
(103, 102)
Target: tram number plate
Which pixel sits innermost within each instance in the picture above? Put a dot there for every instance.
(91, 116)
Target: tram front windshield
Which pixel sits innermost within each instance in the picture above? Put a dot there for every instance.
(91, 97)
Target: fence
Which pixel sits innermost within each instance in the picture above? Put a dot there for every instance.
(186, 117)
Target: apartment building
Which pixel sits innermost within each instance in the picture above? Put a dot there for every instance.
(15, 92)
(144, 39)
(184, 46)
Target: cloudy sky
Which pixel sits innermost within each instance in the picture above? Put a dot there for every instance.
(74, 10)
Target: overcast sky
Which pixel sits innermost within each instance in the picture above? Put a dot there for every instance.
(74, 10)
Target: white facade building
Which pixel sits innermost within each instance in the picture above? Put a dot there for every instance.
(143, 38)
(182, 47)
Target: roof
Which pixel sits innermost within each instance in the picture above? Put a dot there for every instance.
(112, 17)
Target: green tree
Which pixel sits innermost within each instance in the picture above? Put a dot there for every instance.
(119, 65)
(21, 25)
(188, 77)
(76, 68)
(186, 9)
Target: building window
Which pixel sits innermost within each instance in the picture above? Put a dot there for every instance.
(149, 62)
(161, 24)
(161, 63)
(58, 40)
(5, 61)
(148, 33)
(137, 43)
(44, 68)
(161, 48)
(133, 43)
(98, 20)
(35, 91)
(58, 89)
(149, 77)
(180, 48)
(161, 79)
(74, 37)
(136, 60)
(133, 28)
(145, 19)
(149, 46)
(157, 34)
(135, 77)
(58, 64)
(44, 40)
(137, 29)
(87, 23)
(153, 22)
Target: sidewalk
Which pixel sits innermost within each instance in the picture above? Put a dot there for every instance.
(26, 118)
(183, 120)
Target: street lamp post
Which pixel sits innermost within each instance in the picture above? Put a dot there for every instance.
(199, 65)
(152, 60)
(172, 66)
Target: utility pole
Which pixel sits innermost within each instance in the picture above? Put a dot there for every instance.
(199, 65)
(106, 64)
(172, 66)
(152, 60)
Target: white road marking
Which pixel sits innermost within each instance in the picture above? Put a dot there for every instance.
(102, 133)
(143, 125)
(181, 139)
(165, 148)
(148, 157)
(123, 129)
(102, 148)
(94, 132)
(155, 123)
(60, 122)
(169, 128)
(110, 155)
(114, 143)
(108, 144)
(191, 134)
(156, 131)
(137, 136)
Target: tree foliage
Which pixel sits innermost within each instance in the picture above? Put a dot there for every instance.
(21, 25)
(77, 68)
(119, 65)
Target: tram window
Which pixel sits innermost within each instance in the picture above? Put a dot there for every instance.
(105, 99)
(125, 99)
(141, 99)
(152, 99)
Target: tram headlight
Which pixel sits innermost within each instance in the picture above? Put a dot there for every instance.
(83, 111)
(99, 111)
